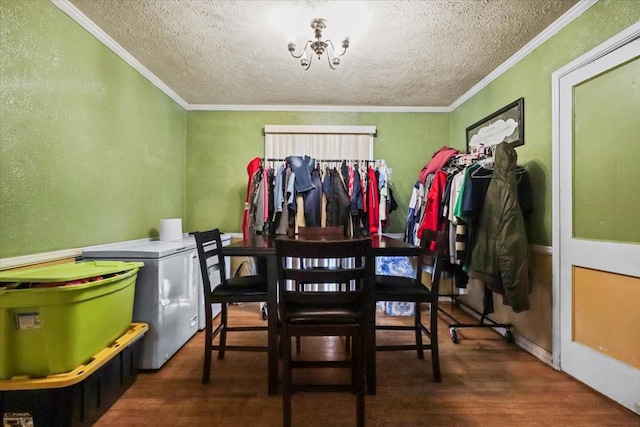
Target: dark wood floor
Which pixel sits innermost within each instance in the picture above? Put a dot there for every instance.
(485, 382)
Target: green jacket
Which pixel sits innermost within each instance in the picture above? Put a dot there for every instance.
(499, 254)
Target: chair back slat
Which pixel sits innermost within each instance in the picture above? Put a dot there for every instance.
(324, 298)
(433, 245)
(211, 259)
(323, 274)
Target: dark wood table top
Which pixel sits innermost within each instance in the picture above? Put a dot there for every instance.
(262, 245)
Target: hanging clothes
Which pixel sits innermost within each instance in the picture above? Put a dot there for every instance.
(454, 193)
(338, 203)
(280, 199)
(383, 193)
(387, 202)
(360, 221)
(283, 222)
(433, 211)
(413, 214)
(373, 200)
(437, 161)
(253, 167)
(260, 202)
(302, 167)
(500, 249)
(313, 201)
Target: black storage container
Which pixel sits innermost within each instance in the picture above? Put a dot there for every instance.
(77, 398)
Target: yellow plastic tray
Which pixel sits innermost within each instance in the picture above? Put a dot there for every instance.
(133, 334)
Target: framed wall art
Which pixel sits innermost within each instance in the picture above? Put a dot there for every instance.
(505, 125)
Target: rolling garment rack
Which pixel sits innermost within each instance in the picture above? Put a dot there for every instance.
(456, 324)
(484, 159)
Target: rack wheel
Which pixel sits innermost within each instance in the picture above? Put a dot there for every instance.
(454, 335)
(508, 335)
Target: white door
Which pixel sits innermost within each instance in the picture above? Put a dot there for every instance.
(597, 220)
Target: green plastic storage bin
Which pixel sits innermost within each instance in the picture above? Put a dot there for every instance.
(47, 331)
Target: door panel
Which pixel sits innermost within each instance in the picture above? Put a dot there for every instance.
(599, 224)
(605, 313)
(602, 138)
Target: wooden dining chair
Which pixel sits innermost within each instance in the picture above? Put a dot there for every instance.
(414, 289)
(345, 312)
(229, 290)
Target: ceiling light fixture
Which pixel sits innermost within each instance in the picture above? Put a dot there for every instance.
(318, 47)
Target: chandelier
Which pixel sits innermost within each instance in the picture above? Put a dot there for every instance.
(318, 47)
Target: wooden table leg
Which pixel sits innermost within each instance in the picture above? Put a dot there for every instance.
(370, 346)
(272, 322)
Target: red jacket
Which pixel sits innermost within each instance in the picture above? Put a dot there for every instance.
(432, 217)
(252, 168)
(438, 160)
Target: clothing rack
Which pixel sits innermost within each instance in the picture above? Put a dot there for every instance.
(455, 164)
(364, 200)
(456, 324)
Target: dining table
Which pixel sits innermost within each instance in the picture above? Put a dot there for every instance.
(262, 247)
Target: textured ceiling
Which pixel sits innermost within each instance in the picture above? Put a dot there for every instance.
(403, 53)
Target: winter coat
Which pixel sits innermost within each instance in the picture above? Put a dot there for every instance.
(500, 250)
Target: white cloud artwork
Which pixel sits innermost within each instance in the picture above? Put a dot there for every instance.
(493, 134)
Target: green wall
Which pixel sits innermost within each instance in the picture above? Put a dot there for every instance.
(531, 79)
(220, 144)
(90, 151)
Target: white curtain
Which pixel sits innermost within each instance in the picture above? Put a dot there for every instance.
(320, 142)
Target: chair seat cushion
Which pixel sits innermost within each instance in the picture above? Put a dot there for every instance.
(246, 285)
(395, 288)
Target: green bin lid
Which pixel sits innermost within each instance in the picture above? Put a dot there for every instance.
(68, 271)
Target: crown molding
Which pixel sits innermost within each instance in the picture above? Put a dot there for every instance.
(320, 108)
(98, 33)
(549, 32)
